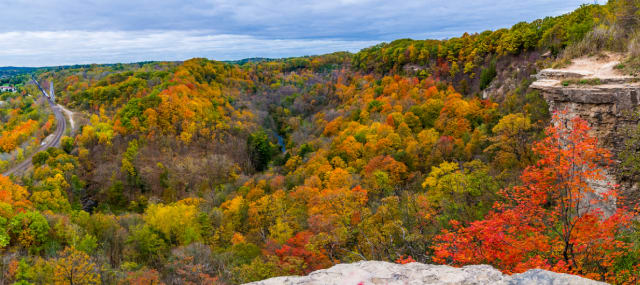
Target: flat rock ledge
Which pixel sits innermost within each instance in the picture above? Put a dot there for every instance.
(380, 272)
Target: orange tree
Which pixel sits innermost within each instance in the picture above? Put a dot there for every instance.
(554, 220)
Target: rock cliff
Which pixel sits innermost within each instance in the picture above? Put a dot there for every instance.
(593, 89)
(380, 272)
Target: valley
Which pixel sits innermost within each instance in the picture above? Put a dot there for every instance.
(500, 156)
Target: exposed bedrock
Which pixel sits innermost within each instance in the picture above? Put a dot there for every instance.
(380, 272)
(606, 101)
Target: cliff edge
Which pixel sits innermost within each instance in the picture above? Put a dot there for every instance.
(594, 89)
(380, 272)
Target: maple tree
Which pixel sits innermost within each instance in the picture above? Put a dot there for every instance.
(297, 255)
(13, 201)
(555, 220)
(9, 140)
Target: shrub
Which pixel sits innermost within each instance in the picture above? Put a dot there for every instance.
(487, 75)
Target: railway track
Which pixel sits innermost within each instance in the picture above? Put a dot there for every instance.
(52, 140)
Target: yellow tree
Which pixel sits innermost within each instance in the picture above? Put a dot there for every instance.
(177, 222)
(74, 267)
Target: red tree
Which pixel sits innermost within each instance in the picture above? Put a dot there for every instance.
(297, 256)
(553, 220)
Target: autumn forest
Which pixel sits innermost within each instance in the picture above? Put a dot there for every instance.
(212, 172)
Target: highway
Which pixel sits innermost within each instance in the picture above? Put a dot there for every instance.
(51, 141)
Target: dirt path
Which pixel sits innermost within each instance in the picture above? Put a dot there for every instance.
(602, 67)
(69, 115)
(597, 66)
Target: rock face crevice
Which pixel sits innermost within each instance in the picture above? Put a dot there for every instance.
(593, 90)
(380, 272)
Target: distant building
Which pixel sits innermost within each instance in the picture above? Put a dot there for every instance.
(7, 89)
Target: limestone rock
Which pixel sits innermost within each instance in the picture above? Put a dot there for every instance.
(380, 272)
(539, 276)
(608, 107)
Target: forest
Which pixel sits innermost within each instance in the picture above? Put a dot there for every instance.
(210, 172)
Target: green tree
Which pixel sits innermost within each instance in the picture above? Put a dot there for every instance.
(487, 75)
(67, 144)
(40, 158)
(261, 150)
(461, 193)
(147, 245)
(128, 159)
(258, 269)
(30, 230)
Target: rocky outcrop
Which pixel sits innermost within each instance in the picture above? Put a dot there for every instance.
(380, 272)
(608, 108)
(593, 90)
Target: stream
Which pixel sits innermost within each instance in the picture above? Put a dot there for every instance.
(281, 142)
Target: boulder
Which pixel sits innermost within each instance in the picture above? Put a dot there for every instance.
(380, 272)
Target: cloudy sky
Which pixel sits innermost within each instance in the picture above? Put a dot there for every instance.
(57, 32)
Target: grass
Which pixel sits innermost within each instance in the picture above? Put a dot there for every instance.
(577, 81)
(630, 67)
(561, 63)
(593, 43)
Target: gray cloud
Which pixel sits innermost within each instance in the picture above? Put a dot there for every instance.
(132, 30)
(48, 48)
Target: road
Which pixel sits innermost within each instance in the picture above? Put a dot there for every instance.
(51, 141)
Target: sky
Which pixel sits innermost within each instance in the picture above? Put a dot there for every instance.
(61, 32)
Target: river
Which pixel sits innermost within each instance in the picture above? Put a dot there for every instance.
(281, 142)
